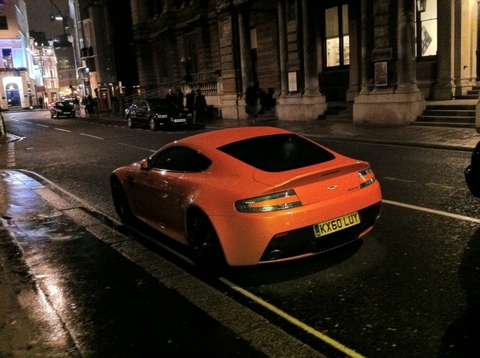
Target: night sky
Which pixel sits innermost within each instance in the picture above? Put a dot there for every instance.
(39, 11)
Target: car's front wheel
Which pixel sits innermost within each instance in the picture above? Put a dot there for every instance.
(206, 249)
(153, 124)
(120, 201)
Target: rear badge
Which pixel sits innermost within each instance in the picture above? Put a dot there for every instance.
(332, 187)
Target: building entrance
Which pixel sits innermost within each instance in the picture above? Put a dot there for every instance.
(13, 95)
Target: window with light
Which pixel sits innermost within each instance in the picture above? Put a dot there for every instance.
(337, 40)
(426, 28)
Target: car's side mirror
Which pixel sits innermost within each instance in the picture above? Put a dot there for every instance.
(144, 165)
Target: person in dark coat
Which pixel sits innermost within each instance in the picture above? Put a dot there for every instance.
(171, 96)
(190, 101)
(179, 98)
(89, 106)
(251, 99)
(200, 107)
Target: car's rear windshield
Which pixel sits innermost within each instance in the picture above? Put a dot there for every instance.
(277, 153)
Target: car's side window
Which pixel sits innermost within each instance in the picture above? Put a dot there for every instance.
(180, 159)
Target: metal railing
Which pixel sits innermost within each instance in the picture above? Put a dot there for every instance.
(208, 82)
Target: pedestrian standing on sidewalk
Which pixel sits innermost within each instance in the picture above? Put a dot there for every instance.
(190, 101)
(251, 99)
(171, 95)
(200, 107)
(89, 109)
(179, 98)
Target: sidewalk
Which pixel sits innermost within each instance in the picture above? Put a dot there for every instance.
(430, 136)
(39, 228)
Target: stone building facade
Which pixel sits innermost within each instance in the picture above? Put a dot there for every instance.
(386, 58)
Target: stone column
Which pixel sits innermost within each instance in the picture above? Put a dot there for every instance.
(387, 105)
(465, 36)
(365, 50)
(354, 27)
(309, 52)
(308, 104)
(245, 49)
(406, 68)
(282, 47)
(443, 88)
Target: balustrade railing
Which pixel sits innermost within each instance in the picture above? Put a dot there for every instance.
(208, 82)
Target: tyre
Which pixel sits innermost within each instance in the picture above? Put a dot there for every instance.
(129, 122)
(152, 124)
(120, 201)
(207, 253)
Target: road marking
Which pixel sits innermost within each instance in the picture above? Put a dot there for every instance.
(43, 125)
(441, 186)
(397, 179)
(91, 136)
(135, 147)
(342, 348)
(62, 130)
(432, 211)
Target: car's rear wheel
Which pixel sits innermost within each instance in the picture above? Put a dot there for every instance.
(129, 122)
(206, 249)
(152, 124)
(120, 201)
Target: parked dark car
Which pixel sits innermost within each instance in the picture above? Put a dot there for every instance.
(156, 113)
(472, 172)
(62, 108)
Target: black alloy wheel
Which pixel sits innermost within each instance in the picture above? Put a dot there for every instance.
(206, 249)
(120, 201)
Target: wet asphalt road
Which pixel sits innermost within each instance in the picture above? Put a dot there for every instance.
(409, 289)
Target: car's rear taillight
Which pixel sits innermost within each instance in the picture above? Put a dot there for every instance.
(268, 203)
(366, 177)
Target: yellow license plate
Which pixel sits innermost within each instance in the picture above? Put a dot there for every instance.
(334, 225)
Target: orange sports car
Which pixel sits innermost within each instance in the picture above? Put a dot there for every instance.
(249, 195)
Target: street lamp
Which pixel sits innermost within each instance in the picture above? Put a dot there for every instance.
(421, 5)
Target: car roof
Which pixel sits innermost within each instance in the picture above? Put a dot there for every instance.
(217, 138)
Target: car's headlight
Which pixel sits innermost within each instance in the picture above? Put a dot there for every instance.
(366, 178)
(268, 203)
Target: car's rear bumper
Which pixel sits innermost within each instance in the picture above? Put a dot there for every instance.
(303, 241)
(250, 239)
